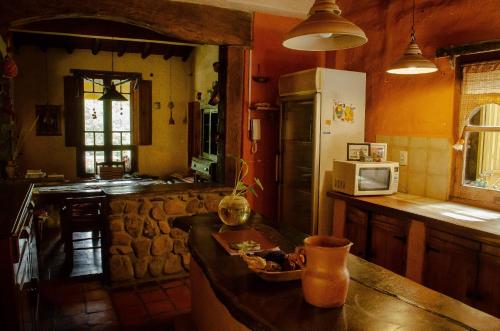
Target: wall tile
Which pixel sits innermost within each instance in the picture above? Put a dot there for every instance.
(419, 142)
(417, 160)
(416, 183)
(403, 180)
(401, 141)
(438, 162)
(437, 187)
(442, 144)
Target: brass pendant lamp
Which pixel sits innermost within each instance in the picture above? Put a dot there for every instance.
(412, 62)
(324, 30)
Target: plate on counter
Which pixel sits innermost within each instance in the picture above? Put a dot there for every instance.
(278, 276)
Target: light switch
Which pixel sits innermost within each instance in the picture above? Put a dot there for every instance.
(403, 158)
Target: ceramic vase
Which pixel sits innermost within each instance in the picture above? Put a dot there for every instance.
(234, 210)
(325, 278)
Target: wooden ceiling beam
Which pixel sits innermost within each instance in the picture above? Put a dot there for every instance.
(146, 51)
(186, 53)
(169, 52)
(96, 46)
(122, 48)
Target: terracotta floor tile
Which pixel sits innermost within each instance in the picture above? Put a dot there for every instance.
(158, 307)
(93, 285)
(76, 322)
(132, 313)
(101, 317)
(171, 283)
(71, 309)
(108, 326)
(180, 296)
(152, 295)
(98, 305)
(125, 299)
(96, 295)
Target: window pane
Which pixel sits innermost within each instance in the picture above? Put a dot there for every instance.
(117, 138)
(98, 86)
(89, 162)
(94, 114)
(117, 156)
(121, 115)
(482, 165)
(127, 158)
(99, 156)
(126, 138)
(87, 85)
(89, 139)
(122, 88)
(99, 138)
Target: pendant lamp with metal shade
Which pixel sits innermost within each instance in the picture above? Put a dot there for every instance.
(324, 30)
(110, 92)
(412, 62)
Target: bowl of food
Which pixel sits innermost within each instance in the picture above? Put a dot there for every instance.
(275, 265)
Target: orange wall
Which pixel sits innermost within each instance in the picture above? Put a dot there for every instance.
(412, 105)
(274, 60)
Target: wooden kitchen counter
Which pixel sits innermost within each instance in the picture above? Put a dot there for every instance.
(226, 295)
(467, 221)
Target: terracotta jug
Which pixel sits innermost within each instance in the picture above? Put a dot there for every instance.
(325, 278)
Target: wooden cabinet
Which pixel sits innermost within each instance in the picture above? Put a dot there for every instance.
(18, 261)
(450, 265)
(487, 294)
(387, 242)
(356, 230)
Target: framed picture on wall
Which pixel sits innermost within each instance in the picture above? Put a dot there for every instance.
(378, 151)
(49, 120)
(356, 150)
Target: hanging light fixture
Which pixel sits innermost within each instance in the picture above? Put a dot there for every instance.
(324, 30)
(110, 92)
(412, 62)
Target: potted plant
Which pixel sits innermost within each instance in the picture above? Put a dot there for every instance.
(234, 209)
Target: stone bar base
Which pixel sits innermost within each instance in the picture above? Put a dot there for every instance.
(143, 245)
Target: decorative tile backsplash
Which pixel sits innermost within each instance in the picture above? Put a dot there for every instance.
(428, 172)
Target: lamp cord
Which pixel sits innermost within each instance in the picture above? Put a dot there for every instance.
(413, 38)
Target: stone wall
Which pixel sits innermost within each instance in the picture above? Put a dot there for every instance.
(143, 243)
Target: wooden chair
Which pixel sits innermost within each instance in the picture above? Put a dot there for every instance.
(110, 170)
(82, 214)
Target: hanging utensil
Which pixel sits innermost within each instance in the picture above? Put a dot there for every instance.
(171, 119)
(170, 102)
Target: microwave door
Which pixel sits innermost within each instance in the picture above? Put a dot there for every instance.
(374, 179)
(297, 152)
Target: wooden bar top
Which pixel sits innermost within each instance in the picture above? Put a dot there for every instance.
(463, 220)
(378, 299)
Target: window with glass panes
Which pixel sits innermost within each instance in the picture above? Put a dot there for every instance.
(107, 125)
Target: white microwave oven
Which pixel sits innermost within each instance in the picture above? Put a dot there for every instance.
(365, 178)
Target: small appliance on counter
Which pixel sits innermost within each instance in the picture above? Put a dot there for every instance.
(205, 169)
(365, 178)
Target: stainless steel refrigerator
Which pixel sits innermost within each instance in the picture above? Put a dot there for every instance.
(321, 111)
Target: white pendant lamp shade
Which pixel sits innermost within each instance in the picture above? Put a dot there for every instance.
(324, 30)
(412, 62)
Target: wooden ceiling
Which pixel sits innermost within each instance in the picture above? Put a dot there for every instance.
(98, 35)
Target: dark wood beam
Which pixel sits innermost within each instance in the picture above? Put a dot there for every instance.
(189, 22)
(146, 51)
(169, 52)
(122, 48)
(186, 53)
(96, 46)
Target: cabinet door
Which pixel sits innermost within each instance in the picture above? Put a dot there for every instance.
(451, 265)
(356, 230)
(388, 243)
(488, 288)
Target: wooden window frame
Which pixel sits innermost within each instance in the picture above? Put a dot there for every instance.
(476, 196)
(107, 76)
